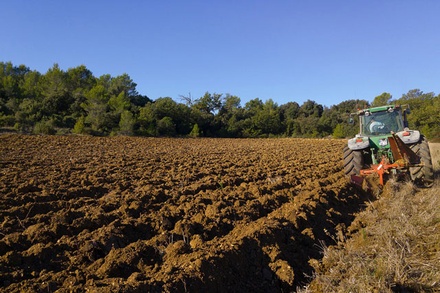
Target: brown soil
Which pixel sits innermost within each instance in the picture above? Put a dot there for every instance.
(130, 214)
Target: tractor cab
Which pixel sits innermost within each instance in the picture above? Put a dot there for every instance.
(383, 120)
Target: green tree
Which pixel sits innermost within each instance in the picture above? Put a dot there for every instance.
(166, 127)
(153, 112)
(248, 125)
(204, 111)
(228, 116)
(267, 120)
(80, 80)
(209, 103)
(288, 114)
(425, 112)
(123, 84)
(328, 121)
(381, 100)
(311, 108)
(165, 107)
(147, 120)
(307, 124)
(97, 109)
(183, 119)
(119, 103)
(56, 96)
(338, 132)
(340, 114)
(415, 95)
(11, 95)
(10, 78)
(127, 122)
(31, 86)
(27, 115)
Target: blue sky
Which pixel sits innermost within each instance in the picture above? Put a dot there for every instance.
(284, 50)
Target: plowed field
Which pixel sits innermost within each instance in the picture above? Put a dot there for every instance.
(129, 214)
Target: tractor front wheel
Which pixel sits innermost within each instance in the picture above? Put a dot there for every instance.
(423, 176)
(353, 161)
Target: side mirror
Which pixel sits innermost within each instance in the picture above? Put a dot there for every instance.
(351, 121)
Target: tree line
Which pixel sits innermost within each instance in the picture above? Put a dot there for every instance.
(75, 101)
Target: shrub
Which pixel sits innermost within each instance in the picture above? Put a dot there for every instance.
(195, 132)
(79, 127)
(7, 120)
(44, 127)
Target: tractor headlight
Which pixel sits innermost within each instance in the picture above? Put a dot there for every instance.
(383, 142)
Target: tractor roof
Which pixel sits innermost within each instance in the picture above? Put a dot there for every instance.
(377, 109)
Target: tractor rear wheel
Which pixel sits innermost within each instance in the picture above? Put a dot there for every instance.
(353, 161)
(423, 176)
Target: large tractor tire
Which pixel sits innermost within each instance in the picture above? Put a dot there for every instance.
(353, 161)
(422, 176)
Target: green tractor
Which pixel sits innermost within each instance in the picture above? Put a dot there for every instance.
(385, 147)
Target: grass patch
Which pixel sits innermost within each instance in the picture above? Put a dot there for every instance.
(435, 155)
(394, 246)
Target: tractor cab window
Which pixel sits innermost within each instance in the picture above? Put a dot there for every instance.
(382, 122)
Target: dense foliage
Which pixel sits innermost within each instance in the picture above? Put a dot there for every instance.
(75, 101)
